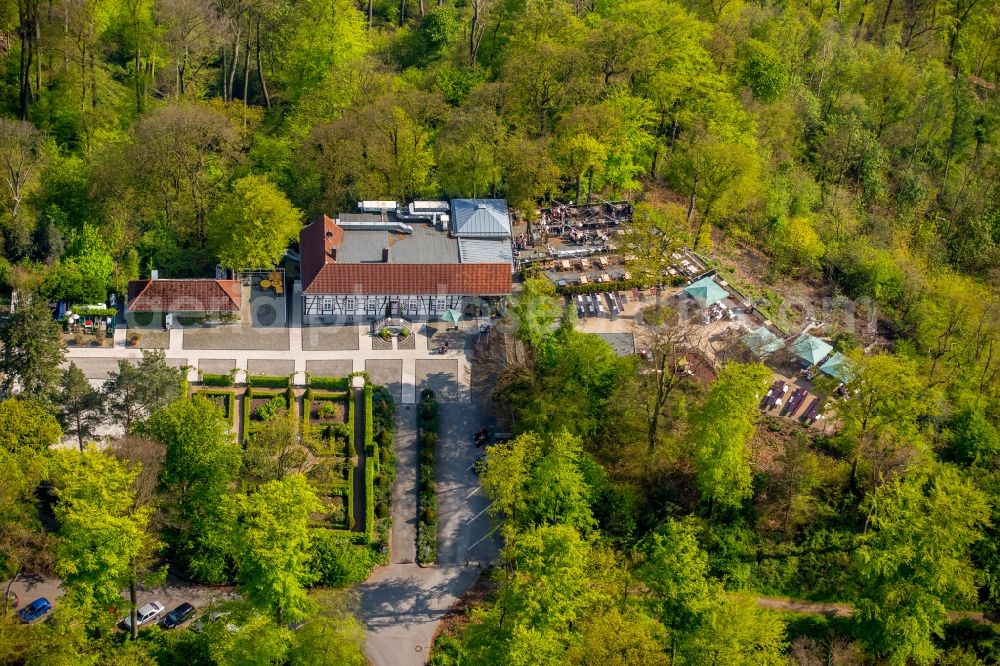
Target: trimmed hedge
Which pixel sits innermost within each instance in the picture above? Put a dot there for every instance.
(329, 383)
(599, 287)
(427, 427)
(369, 423)
(230, 401)
(217, 380)
(93, 312)
(370, 498)
(268, 381)
(350, 427)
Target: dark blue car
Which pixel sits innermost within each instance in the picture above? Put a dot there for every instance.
(35, 610)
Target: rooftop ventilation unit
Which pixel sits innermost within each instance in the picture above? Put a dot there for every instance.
(376, 206)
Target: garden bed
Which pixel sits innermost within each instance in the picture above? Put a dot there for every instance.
(224, 400)
(259, 406)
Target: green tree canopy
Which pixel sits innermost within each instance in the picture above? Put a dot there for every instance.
(272, 546)
(916, 560)
(720, 430)
(202, 461)
(252, 226)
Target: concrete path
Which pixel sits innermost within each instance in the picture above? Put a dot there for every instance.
(404, 492)
(101, 359)
(402, 604)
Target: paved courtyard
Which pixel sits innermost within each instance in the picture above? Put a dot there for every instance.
(236, 337)
(387, 373)
(330, 338)
(333, 368)
(281, 368)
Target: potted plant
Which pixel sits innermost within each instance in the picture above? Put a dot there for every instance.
(78, 338)
(384, 333)
(134, 339)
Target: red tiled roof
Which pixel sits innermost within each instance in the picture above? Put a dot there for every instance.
(465, 279)
(314, 246)
(201, 295)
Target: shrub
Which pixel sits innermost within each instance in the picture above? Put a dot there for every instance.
(326, 409)
(268, 381)
(404, 332)
(384, 333)
(271, 408)
(78, 339)
(338, 562)
(134, 339)
(216, 380)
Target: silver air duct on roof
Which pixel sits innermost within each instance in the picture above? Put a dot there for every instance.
(373, 225)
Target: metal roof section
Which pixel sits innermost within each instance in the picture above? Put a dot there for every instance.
(482, 251)
(480, 218)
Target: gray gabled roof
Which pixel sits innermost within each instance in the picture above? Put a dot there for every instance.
(480, 218)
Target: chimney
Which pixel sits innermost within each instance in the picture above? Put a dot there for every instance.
(154, 274)
(331, 249)
(385, 254)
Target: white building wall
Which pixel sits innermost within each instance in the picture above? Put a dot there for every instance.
(411, 306)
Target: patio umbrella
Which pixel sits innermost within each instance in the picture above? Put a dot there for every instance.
(810, 349)
(837, 368)
(762, 342)
(706, 291)
(452, 316)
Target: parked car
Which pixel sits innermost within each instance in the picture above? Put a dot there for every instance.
(36, 610)
(144, 615)
(177, 616)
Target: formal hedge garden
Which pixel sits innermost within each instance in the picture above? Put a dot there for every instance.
(427, 435)
(325, 425)
(224, 400)
(262, 405)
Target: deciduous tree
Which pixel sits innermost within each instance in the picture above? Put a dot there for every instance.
(916, 560)
(272, 546)
(202, 460)
(252, 226)
(720, 431)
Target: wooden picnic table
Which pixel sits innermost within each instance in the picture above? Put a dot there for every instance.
(811, 410)
(794, 402)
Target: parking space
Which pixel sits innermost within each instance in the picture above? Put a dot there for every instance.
(387, 373)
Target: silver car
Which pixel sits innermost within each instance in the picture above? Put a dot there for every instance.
(144, 614)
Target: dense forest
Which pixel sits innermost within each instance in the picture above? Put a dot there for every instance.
(850, 148)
